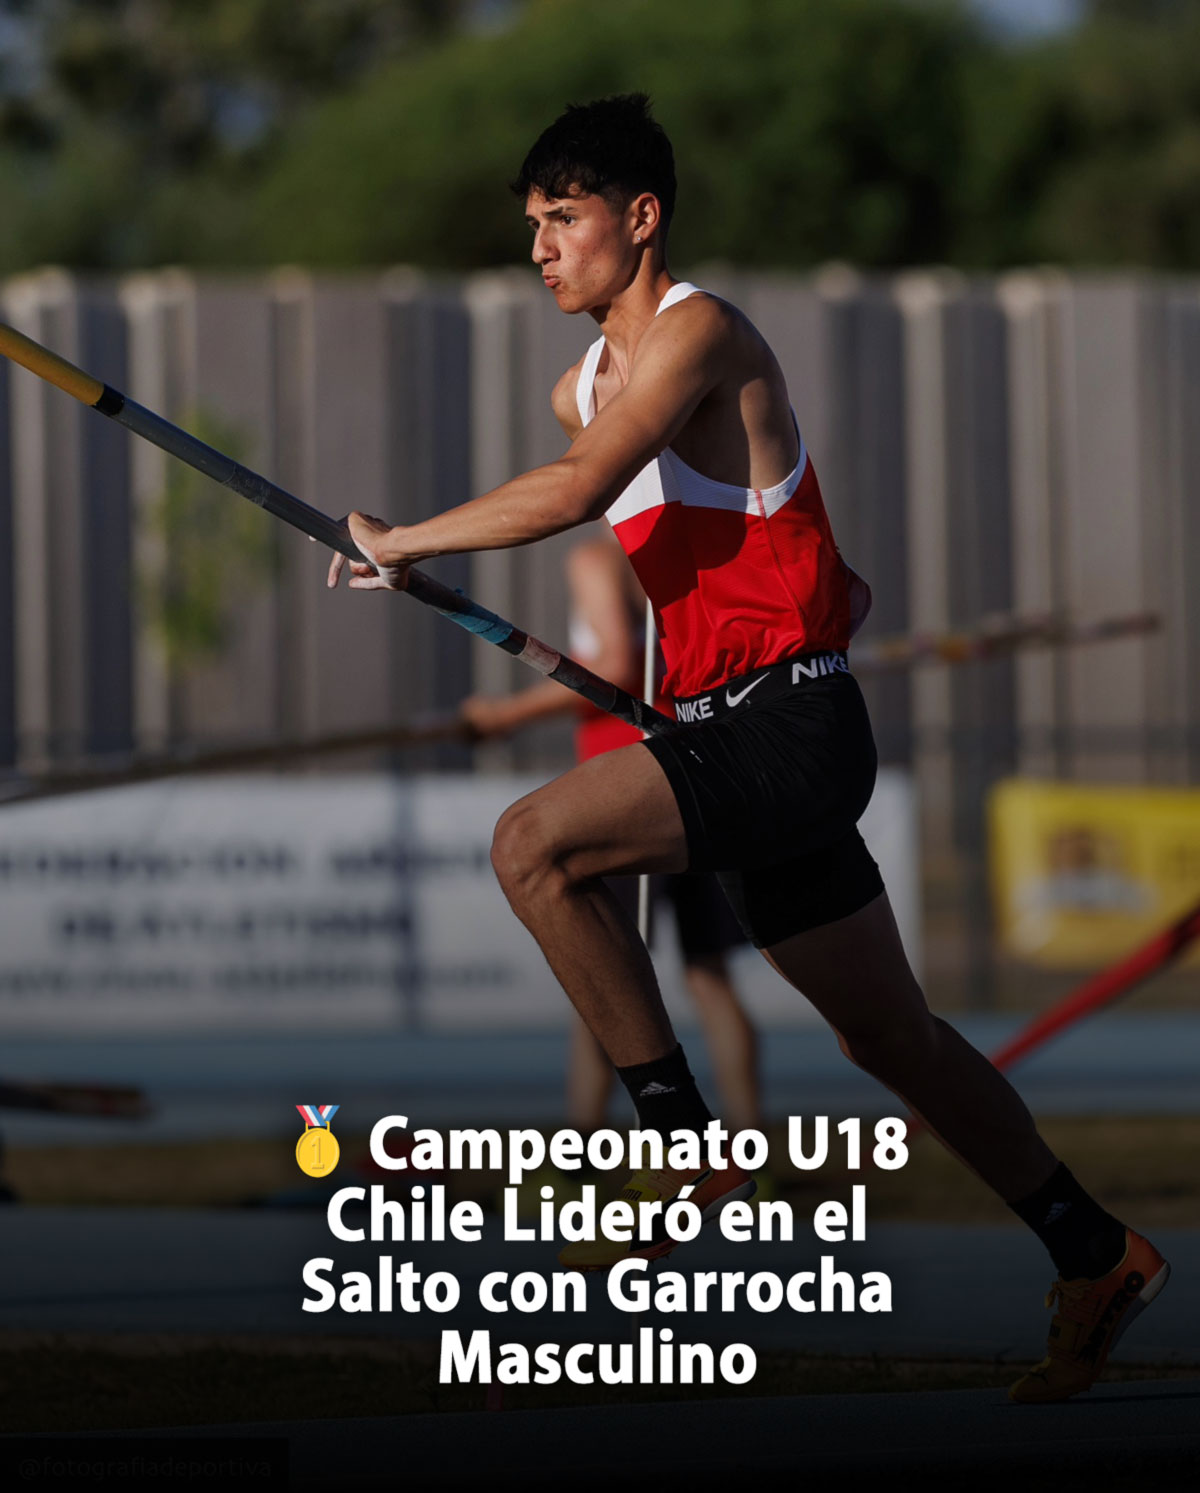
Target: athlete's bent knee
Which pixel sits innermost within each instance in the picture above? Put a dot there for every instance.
(524, 855)
(518, 846)
(893, 1051)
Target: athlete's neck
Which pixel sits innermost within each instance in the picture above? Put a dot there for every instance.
(624, 319)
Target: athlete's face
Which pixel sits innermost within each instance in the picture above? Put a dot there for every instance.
(583, 246)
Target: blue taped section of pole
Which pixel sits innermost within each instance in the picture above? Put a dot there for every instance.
(480, 621)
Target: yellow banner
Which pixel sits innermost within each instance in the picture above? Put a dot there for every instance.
(1081, 875)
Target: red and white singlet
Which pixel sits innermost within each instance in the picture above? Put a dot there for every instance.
(739, 577)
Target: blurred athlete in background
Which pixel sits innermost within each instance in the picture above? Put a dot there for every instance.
(608, 611)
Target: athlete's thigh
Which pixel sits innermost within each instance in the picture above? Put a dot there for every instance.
(612, 815)
(854, 971)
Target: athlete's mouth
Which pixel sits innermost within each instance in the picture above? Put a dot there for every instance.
(551, 282)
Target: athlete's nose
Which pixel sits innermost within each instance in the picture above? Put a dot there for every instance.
(542, 249)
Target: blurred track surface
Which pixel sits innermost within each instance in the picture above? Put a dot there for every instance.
(1123, 1436)
(969, 1291)
(246, 1085)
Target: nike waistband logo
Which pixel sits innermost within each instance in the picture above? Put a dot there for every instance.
(731, 700)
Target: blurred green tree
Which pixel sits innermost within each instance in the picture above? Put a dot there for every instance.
(360, 132)
(211, 551)
(803, 131)
(1140, 11)
(193, 79)
(113, 112)
(1086, 150)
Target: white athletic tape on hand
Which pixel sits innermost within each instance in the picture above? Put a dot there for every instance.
(389, 577)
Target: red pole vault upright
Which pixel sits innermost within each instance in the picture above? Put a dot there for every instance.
(1102, 989)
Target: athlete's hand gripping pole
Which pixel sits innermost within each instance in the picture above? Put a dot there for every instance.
(319, 526)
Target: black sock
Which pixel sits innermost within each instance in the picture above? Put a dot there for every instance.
(665, 1096)
(1082, 1238)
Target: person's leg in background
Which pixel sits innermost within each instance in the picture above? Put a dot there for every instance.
(729, 1037)
(707, 930)
(589, 1080)
(590, 1075)
(708, 934)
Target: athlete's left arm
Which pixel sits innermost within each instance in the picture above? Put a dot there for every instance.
(681, 358)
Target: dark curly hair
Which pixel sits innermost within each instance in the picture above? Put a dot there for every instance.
(612, 147)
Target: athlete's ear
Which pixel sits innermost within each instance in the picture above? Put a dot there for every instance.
(645, 217)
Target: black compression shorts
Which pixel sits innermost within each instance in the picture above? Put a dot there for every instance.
(704, 921)
(772, 774)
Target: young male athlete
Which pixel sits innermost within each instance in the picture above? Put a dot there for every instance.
(683, 436)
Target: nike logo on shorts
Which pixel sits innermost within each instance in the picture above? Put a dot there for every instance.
(732, 700)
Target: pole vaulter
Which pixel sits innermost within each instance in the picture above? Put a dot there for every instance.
(458, 608)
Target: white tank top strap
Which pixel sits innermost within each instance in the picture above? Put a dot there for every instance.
(676, 294)
(585, 388)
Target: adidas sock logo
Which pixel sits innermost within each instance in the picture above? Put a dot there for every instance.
(653, 1089)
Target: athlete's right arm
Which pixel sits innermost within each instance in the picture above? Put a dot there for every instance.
(679, 361)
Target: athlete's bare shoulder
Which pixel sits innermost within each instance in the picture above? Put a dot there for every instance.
(740, 428)
(712, 329)
(564, 403)
(699, 316)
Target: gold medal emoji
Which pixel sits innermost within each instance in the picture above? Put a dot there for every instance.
(317, 1150)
